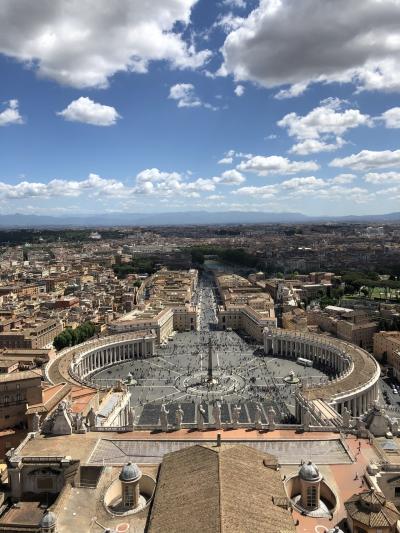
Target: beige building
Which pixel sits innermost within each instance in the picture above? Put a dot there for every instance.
(17, 390)
(346, 324)
(37, 335)
(387, 349)
(245, 306)
(245, 318)
(166, 306)
(360, 334)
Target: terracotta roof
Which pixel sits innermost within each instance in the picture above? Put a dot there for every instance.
(51, 398)
(220, 489)
(372, 509)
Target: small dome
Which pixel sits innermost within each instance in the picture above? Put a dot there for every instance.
(335, 529)
(309, 472)
(48, 520)
(130, 472)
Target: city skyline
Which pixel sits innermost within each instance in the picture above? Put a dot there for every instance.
(184, 105)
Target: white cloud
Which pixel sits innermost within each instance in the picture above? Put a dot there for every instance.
(323, 120)
(294, 90)
(343, 179)
(383, 177)
(228, 22)
(230, 177)
(368, 159)
(156, 182)
(185, 95)
(338, 41)
(275, 165)
(10, 115)
(215, 197)
(392, 117)
(266, 191)
(226, 161)
(85, 110)
(234, 3)
(239, 90)
(82, 43)
(310, 182)
(326, 119)
(314, 146)
(94, 186)
(357, 195)
(321, 129)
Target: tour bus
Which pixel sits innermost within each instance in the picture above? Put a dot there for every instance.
(304, 362)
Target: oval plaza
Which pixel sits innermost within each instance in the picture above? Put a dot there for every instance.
(334, 376)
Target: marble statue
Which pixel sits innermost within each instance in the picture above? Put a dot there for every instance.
(235, 415)
(179, 417)
(61, 423)
(78, 422)
(217, 415)
(131, 417)
(91, 418)
(164, 417)
(395, 427)
(36, 422)
(271, 414)
(306, 420)
(346, 416)
(200, 417)
(257, 417)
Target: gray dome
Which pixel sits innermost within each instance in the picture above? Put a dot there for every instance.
(335, 529)
(48, 520)
(309, 472)
(130, 472)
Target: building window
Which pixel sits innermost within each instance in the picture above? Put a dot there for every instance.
(397, 492)
(311, 497)
(129, 496)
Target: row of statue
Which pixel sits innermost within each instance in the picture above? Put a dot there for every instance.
(64, 422)
(217, 416)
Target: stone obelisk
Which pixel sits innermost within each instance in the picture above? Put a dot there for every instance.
(210, 362)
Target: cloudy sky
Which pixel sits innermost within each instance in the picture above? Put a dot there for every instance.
(172, 105)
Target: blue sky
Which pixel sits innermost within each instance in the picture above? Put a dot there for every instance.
(173, 105)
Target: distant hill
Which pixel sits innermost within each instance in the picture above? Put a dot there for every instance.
(181, 218)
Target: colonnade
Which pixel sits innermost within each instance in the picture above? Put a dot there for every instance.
(110, 351)
(357, 373)
(314, 349)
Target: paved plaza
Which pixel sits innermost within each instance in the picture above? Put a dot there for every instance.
(177, 375)
(287, 451)
(174, 377)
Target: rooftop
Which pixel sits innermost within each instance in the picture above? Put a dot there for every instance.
(219, 489)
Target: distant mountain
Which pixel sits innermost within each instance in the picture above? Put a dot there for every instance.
(181, 218)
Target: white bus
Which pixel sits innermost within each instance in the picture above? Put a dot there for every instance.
(304, 362)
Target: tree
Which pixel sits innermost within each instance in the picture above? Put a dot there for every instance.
(71, 337)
